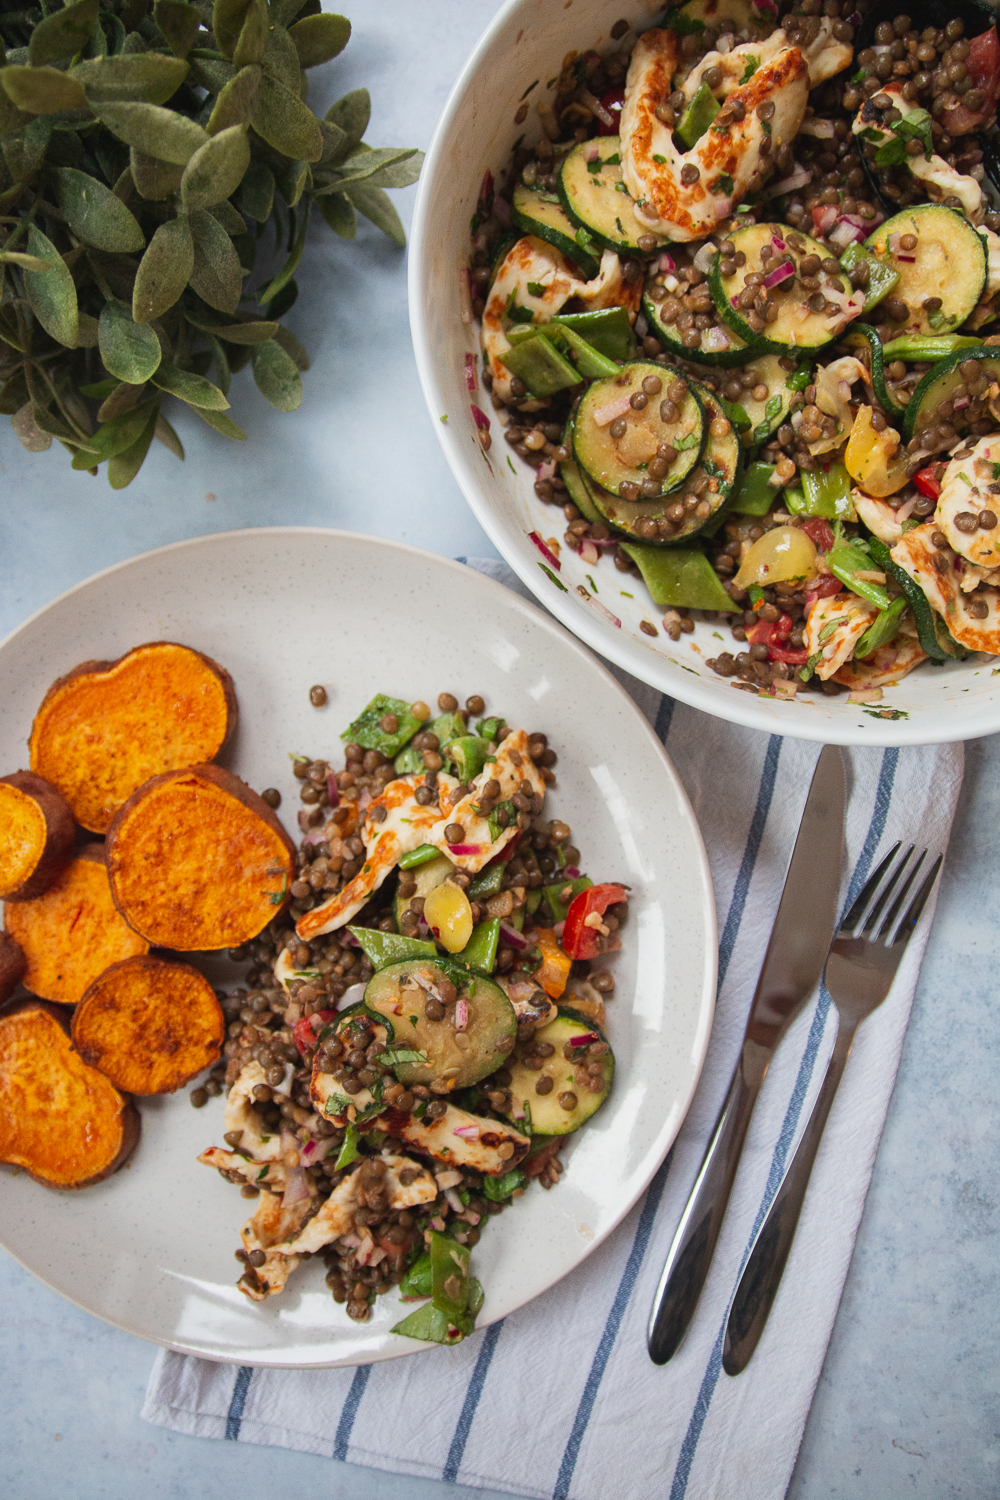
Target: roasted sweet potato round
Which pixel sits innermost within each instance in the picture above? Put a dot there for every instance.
(12, 966)
(107, 726)
(198, 861)
(36, 835)
(73, 932)
(149, 1025)
(60, 1119)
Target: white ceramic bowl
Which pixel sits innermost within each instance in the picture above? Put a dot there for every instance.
(151, 1248)
(528, 41)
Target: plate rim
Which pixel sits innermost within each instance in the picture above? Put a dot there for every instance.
(535, 613)
(664, 675)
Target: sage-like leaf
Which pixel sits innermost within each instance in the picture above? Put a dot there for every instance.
(292, 348)
(338, 211)
(42, 91)
(52, 293)
(281, 61)
(286, 123)
(164, 271)
(156, 181)
(334, 143)
(227, 23)
(14, 393)
(222, 423)
(148, 78)
(192, 388)
(130, 351)
(11, 118)
(236, 101)
(26, 262)
(28, 432)
(293, 181)
(351, 114)
(153, 130)
(216, 169)
(223, 372)
(252, 42)
(165, 434)
(319, 38)
(216, 275)
(179, 23)
(122, 399)
(253, 331)
(120, 433)
(63, 33)
(376, 206)
(123, 468)
(291, 264)
(24, 150)
(95, 214)
(231, 221)
(255, 197)
(367, 165)
(87, 332)
(276, 376)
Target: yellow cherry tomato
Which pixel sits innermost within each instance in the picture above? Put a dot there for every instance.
(449, 916)
(778, 556)
(875, 460)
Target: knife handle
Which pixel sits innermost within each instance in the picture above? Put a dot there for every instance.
(690, 1254)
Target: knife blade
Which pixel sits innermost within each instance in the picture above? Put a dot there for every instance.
(800, 939)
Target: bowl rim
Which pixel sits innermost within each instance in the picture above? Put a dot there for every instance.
(658, 672)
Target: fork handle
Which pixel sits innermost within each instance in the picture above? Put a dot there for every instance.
(762, 1275)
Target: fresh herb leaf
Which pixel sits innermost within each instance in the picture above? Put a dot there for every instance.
(495, 826)
(396, 1055)
(682, 24)
(892, 154)
(799, 379)
(613, 161)
(753, 63)
(725, 184)
(349, 1150)
(684, 443)
(549, 574)
(661, 161)
(499, 1188)
(536, 289)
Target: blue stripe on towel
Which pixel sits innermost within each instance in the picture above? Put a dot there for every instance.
(234, 1416)
(472, 1395)
(883, 797)
(664, 714)
(350, 1411)
(730, 931)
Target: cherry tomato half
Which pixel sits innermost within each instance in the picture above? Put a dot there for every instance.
(612, 100)
(305, 1032)
(927, 483)
(583, 920)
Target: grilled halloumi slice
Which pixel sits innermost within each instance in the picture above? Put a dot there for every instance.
(965, 491)
(878, 516)
(825, 58)
(886, 666)
(511, 768)
(460, 1139)
(934, 569)
(241, 1115)
(833, 629)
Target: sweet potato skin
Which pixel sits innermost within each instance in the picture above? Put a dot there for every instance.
(148, 1025)
(61, 1120)
(107, 726)
(198, 860)
(73, 932)
(25, 874)
(12, 966)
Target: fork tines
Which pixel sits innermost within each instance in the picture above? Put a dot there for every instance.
(864, 916)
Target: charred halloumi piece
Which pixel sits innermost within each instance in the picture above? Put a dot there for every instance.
(270, 1230)
(833, 629)
(242, 1116)
(726, 158)
(878, 516)
(460, 1139)
(512, 767)
(934, 569)
(825, 58)
(327, 1094)
(965, 495)
(406, 826)
(886, 666)
(271, 1175)
(940, 180)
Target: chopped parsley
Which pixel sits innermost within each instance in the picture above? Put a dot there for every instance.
(753, 63)
(661, 161)
(725, 184)
(549, 574)
(613, 161)
(536, 289)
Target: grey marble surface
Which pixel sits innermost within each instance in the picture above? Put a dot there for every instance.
(908, 1403)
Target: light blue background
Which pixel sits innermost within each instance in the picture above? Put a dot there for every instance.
(908, 1400)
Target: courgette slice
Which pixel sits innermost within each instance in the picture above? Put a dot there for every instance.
(948, 264)
(428, 876)
(704, 353)
(571, 477)
(557, 1102)
(767, 414)
(933, 400)
(702, 497)
(615, 461)
(540, 213)
(792, 329)
(697, 14)
(595, 197)
(863, 334)
(926, 620)
(396, 995)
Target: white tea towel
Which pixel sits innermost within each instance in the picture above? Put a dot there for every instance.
(600, 1416)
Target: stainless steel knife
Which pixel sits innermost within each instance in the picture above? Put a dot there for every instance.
(800, 939)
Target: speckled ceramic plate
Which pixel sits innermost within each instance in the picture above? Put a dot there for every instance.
(515, 66)
(151, 1249)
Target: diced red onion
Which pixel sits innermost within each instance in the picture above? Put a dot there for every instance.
(350, 939)
(667, 262)
(486, 189)
(308, 1150)
(592, 152)
(501, 210)
(349, 1241)
(823, 129)
(351, 996)
(480, 418)
(585, 1040)
(366, 1249)
(461, 1015)
(464, 296)
(572, 872)
(296, 1186)
(588, 551)
(546, 469)
(303, 820)
(603, 544)
(438, 1223)
(467, 1133)
(845, 233)
(641, 326)
(471, 1217)
(782, 273)
(961, 402)
(560, 928)
(604, 415)
(894, 243)
(332, 790)
(799, 178)
(377, 1256)
(704, 258)
(512, 937)
(316, 836)
(466, 848)
(715, 339)
(906, 509)
(471, 380)
(735, 301)
(603, 610)
(597, 108)
(909, 260)
(546, 552)
(517, 1110)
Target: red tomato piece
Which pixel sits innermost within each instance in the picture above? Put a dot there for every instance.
(793, 656)
(761, 634)
(583, 920)
(926, 482)
(819, 532)
(983, 65)
(825, 587)
(305, 1032)
(612, 100)
(824, 218)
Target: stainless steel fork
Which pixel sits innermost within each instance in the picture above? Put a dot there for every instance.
(860, 968)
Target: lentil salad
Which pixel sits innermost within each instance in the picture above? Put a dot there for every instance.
(415, 1050)
(766, 390)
